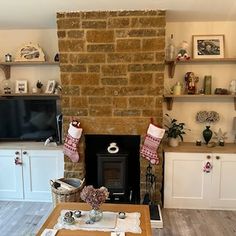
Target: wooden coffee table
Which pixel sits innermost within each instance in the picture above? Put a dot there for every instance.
(145, 224)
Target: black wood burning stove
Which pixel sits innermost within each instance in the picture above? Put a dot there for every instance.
(112, 173)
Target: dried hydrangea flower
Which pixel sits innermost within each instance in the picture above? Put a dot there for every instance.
(207, 117)
(94, 197)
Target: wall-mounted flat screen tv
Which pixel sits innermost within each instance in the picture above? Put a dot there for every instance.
(28, 118)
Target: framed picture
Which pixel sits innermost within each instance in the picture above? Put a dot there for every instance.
(50, 86)
(21, 86)
(208, 46)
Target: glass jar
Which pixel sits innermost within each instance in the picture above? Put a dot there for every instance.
(170, 49)
(7, 86)
(95, 215)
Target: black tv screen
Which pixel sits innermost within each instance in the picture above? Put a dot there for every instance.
(25, 118)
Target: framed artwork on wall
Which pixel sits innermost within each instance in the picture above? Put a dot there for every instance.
(21, 86)
(50, 86)
(208, 46)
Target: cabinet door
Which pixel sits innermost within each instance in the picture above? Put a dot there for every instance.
(223, 181)
(185, 183)
(40, 167)
(11, 180)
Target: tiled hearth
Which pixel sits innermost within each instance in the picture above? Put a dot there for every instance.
(112, 74)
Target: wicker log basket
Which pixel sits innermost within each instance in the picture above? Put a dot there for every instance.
(66, 195)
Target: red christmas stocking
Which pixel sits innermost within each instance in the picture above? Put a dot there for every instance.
(151, 143)
(72, 140)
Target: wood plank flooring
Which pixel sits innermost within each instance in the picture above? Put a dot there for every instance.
(22, 218)
(25, 218)
(186, 222)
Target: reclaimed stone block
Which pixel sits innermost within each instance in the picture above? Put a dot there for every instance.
(100, 36)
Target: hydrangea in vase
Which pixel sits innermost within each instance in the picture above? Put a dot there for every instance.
(94, 197)
(207, 117)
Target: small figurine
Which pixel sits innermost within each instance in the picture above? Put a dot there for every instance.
(39, 86)
(220, 137)
(183, 52)
(191, 82)
(8, 58)
(207, 168)
(56, 58)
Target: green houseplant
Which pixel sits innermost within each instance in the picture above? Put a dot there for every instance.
(174, 130)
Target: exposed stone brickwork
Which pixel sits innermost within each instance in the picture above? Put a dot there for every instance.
(112, 74)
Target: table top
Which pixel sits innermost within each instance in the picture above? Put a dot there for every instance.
(145, 223)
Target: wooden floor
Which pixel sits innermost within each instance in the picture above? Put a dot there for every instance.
(22, 218)
(183, 222)
(25, 218)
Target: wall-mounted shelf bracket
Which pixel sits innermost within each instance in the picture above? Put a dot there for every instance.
(169, 103)
(7, 71)
(171, 68)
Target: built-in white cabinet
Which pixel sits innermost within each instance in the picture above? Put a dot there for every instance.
(223, 181)
(25, 174)
(186, 185)
(11, 176)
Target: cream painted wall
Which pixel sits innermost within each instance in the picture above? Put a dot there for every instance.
(222, 73)
(12, 40)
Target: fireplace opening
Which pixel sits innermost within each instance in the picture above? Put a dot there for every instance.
(118, 170)
(112, 173)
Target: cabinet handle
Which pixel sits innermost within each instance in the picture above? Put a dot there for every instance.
(208, 157)
(18, 161)
(217, 157)
(24, 152)
(17, 153)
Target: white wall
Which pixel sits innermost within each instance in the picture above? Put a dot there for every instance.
(222, 73)
(12, 40)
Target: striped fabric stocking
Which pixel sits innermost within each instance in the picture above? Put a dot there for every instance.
(72, 140)
(151, 143)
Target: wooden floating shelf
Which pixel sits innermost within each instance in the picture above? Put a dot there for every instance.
(170, 98)
(44, 95)
(6, 66)
(172, 64)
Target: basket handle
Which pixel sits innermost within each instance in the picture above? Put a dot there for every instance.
(82, 182)
(52, 183)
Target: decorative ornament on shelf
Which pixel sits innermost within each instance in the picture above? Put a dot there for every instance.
(220, 137)
(183, 54)
(95, 198)
(30, 52)
(56, 57)
(190, 83)
(39, 86)
(7, 86)
(174, 131)
(207, 117)
(234, 128)
(170, 49)
(8, 58)
(232, 87)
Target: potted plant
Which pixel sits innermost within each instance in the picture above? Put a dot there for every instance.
(174, 131)
(39, 86)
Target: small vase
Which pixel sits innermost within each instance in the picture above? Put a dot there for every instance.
(173, 142)
(95, 215)
(207, 134)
